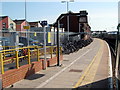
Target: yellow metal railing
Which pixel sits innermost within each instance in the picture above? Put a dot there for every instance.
(14, 54)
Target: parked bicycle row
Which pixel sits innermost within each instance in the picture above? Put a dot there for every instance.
(73, 46)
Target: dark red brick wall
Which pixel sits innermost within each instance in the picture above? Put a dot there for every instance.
(73, 23)
(53, 61)
(14, 75)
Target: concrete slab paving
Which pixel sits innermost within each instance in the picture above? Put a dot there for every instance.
(61, 77)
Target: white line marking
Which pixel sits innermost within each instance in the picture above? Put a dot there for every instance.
(44, 83)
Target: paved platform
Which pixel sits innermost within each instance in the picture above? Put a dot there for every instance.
(89, 68)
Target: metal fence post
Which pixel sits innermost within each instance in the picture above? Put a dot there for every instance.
(38, 54)
(58, 44)
(28, 55)
(17, 60)
(2, 63)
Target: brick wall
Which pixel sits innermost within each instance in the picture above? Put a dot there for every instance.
(14, 75)
(53, 61)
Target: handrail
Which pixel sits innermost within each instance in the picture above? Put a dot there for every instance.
(30, 49)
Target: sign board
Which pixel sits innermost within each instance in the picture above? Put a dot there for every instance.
(26, 27)
(83, 19)
(49, 37)
(35, 34)
(43, 23)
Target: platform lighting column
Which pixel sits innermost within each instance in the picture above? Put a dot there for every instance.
(68, 18)
(44, 47)
(25, 16)
(44, 23)
(27, 33)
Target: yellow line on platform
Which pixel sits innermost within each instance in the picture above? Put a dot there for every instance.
(87, 76)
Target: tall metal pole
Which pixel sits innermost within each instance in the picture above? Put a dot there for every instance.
(68, 26)
(67, 6)
(68, 18)
(58, 41)
(58, 44)
(54, 36)
(27, 34)
(25, 10)
(44, 47)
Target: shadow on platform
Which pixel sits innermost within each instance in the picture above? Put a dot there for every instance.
(98, 85)
(35, 76)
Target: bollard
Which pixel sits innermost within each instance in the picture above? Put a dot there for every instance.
(51, 51)
(28, 56)
(2, 63)
(17, 60)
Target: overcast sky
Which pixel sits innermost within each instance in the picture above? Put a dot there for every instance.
(101, 15)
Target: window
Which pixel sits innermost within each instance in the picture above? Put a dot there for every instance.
(4, 25)
(11, 25)
(83, 19)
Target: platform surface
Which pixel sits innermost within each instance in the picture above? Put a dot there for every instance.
(87, 68)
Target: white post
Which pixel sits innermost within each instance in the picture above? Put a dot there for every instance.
(17, 39)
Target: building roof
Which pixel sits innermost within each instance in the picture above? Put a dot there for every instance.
(81, 13)
(19, 21)
(63, 15)
(2, 17)
(34, 23)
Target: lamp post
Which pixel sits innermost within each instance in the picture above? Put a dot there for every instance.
(25, 17)
(25, 10)
(44, 23)
(26, 26)
(68, 19)
(67, 3)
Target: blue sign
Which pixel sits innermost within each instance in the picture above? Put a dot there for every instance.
(43, 23)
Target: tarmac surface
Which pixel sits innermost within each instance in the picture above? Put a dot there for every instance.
(89, 67)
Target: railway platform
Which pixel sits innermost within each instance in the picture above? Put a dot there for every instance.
(90, 67)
